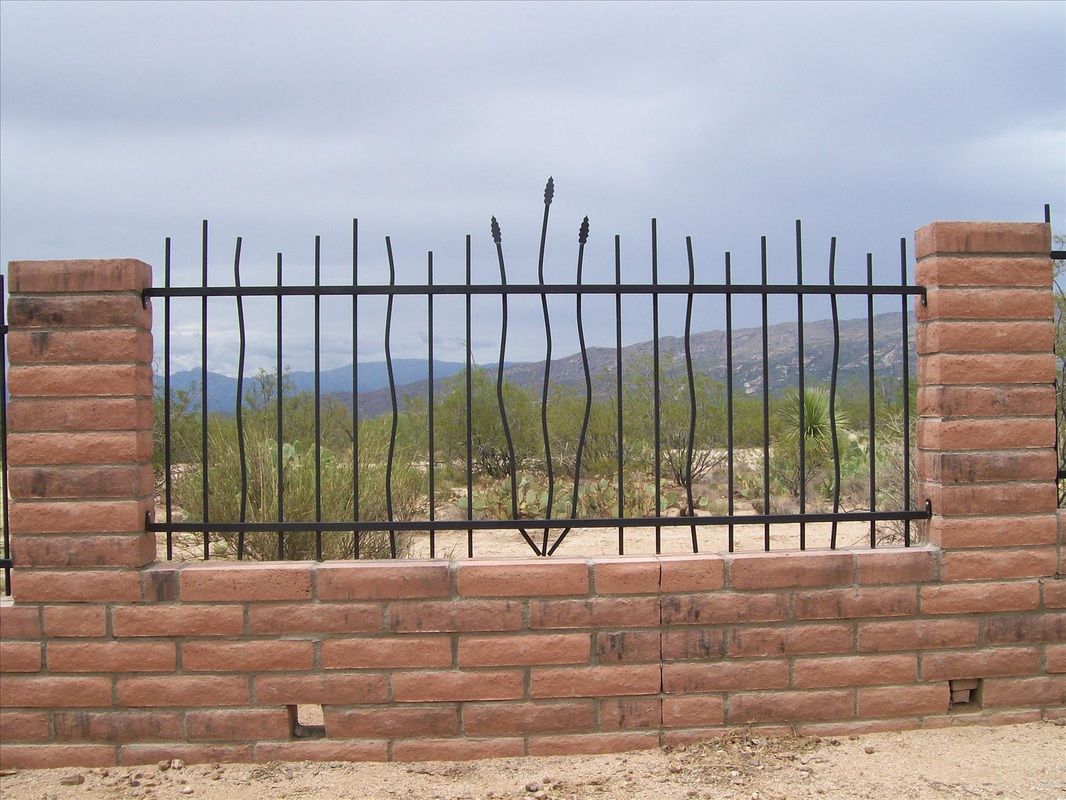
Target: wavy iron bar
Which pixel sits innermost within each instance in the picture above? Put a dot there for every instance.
(392, 398)
(497, 238)
(549, 193)
(543, 544)
(833, 391)
(239, 403)
(691, 393)
(582, 238)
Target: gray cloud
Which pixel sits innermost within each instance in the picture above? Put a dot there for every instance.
(125, 123)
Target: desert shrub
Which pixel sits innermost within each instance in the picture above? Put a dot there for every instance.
(491, 455)
(259, 503)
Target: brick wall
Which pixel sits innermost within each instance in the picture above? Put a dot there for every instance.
(106, 657)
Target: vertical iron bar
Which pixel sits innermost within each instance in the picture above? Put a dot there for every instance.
(432, 443)
(655, 382)
(203, 392)
(906, 394)
(392, 395)
(355, 383)
(871, 399)
(549, 193)
(1047, 213)
(469, 417)
(4, 508)
(730, 475)
(280, 424)
(691, 392)
(318, 397)
(618, 385)
(168, 478)
(765, 400)
(802, 390)
(239, 403)
(833, 392)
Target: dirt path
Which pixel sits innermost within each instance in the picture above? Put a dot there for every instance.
(674, 540)
(1022, 761)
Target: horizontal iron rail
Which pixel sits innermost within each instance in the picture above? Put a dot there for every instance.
(345, 290)
(1058, 255)
(508, 524)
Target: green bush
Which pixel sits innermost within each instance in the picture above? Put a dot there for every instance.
(259, 503)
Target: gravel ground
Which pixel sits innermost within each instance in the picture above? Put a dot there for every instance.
(1021, 761)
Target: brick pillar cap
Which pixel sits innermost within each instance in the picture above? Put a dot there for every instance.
(86, 275)
(940, 238)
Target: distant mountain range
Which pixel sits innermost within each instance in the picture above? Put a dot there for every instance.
(708, 357)
(222, 389)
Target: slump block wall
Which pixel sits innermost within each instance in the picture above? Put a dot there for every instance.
(107, 657)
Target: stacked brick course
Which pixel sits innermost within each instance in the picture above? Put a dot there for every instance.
(107, 658)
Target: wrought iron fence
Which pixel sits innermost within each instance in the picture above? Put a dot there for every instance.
(1059, 257)
(543, 519)
(5, 539)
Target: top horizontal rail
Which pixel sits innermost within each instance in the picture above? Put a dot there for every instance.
(346, 290)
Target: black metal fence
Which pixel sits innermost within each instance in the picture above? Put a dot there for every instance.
(266, 472)
(1059, 256)
(5, 539)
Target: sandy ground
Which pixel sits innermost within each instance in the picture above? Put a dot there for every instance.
(641, 541)
(1022, 761)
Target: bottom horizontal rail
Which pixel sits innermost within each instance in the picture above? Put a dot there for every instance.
(553, 524)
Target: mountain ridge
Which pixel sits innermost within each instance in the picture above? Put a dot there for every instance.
(708, 350)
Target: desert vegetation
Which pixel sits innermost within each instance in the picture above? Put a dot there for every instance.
(542, 487)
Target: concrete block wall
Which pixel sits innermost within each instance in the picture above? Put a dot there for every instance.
(107, 657)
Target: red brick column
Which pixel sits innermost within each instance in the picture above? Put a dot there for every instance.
(80, 429)
(986, 404)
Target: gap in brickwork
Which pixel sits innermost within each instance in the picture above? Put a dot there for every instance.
(965, 694)
(307, 722)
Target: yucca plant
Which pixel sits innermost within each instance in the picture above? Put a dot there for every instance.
(817, 435)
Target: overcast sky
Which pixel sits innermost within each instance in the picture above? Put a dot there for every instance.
(121, 124)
